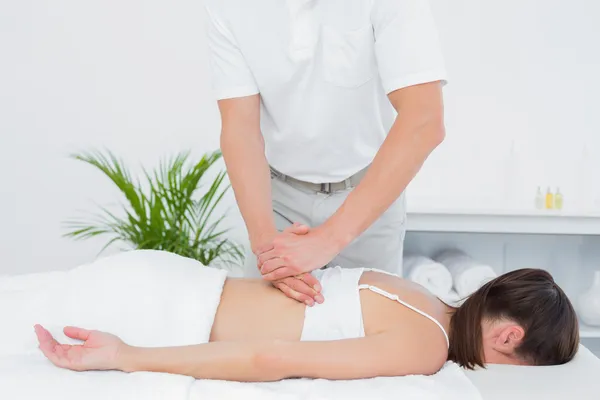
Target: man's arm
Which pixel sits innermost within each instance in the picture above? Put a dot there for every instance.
(241, 140)
(244, 154)
(417, 131)
(379, 355)
(243, 150)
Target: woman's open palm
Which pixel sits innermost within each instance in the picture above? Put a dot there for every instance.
(98, 352)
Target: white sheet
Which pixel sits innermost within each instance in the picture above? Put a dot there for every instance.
(32, 377)
(449, 384)
(577, 380)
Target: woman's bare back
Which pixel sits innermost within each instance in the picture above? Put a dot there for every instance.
(252, 309)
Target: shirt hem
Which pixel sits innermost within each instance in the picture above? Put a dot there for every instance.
(235, 92)
(415, 79)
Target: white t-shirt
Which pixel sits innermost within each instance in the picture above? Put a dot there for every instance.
(323, 69)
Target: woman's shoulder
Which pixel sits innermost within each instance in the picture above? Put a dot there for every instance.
(394, 284)
(407, 292)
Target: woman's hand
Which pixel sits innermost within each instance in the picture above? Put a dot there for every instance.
(100, 350)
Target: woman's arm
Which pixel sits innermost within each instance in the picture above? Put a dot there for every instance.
(379, 355)
(394, 353)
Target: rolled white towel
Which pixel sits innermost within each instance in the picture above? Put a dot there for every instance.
(468, 275)
(452, 299)
(432, 275)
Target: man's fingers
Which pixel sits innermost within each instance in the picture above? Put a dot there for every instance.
(264, 248)
(292, 294)
(310, 280)
(279, 274)
(300, 286)
(266, 256)
(313, 283)
(304, 288)
(272, 265)
(297, 229)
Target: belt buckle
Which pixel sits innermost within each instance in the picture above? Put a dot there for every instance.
(326, 188)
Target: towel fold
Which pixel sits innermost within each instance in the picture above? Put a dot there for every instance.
(148, 298)
(432, 275)
(468, 275)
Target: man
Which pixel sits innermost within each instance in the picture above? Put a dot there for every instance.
(329, 109)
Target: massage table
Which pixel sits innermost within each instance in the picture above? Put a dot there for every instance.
(49, 299)
(31, 377)
(577, 380)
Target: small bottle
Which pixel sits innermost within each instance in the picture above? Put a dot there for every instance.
(549, 199)
(539, 199)
(558, 199)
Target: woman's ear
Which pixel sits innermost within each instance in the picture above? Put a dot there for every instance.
(509, 338)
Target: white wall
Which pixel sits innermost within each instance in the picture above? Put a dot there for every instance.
(129, 76)
(133, 77)
(523, 73)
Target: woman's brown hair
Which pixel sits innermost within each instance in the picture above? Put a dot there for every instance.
(530, 298)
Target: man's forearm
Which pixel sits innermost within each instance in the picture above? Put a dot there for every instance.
(250, 178)
(409, 143)
(220, 360)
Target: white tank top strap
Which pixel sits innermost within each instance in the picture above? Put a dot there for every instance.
(394, 297)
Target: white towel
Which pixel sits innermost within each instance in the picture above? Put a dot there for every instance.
(468, 274)
(452, 299)
(32, 377)
(432, 275)
(148, 298)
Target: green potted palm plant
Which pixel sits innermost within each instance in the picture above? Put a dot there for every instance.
(164, 211)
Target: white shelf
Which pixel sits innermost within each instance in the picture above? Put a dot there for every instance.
(492, 221)
(587, 332)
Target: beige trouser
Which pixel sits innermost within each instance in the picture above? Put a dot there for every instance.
(380, 246)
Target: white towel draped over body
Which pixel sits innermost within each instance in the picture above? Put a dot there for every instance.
(468, 275)
(148, 298)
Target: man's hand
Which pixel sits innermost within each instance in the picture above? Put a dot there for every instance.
(292, 254)
(304, 288)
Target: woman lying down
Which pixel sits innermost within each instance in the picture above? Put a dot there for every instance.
(371, 324)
